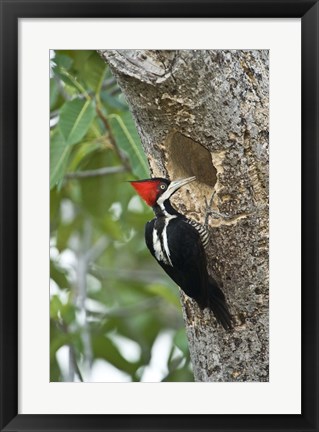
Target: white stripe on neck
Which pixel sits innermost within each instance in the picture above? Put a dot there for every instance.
(165, 196)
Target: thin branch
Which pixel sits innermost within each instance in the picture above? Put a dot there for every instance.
(117, 150)
(95, 173)
(133, 310)
(96, 250)
(103, 273)
(86, 255)
(128, 311)
(73, 363)
(81, 297)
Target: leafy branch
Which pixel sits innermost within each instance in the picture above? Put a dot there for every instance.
(95, 173)
(117, 150)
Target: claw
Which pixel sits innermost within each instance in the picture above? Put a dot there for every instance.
(208, 210)
(211, 213)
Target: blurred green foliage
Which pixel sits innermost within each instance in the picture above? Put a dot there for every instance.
(107, 292)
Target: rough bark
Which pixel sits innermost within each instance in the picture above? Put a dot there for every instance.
(205, 113)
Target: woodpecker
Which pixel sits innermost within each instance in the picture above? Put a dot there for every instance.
(178, 245)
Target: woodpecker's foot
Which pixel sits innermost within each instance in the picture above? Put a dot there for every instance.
(208, 208)
(211, 213)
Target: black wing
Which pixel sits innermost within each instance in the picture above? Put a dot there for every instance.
(188, 257)
(189, 269)
(149, 235)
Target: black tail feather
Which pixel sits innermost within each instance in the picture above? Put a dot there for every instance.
(217, 303)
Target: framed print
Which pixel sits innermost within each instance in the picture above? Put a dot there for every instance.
(48, 52)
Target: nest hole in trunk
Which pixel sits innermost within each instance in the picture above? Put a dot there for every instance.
(187, 158)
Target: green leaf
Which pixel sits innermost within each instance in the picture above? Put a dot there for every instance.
(62, 60)
(54, 94)
(112, 101)
(110, 227)
(71, 86)
(65, 231)
(63, 235)
(83, 151)
(104, 348)
(79, 57)
(55, 373)
(59, 156)
(93, 72)
(55, 307)
(127, 139)
(58, 275)
(174, 363)
(75, 119)
(55, 344)
(54, 208)
(98, 193)
(68, 313)
(58, 310)
(59, 341)
(179, 375)
(166, 293)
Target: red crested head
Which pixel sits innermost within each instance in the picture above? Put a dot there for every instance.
(148, 189)
(158, 190)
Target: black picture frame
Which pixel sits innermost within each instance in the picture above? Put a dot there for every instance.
(11, 11)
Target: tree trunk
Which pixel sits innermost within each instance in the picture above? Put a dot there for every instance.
(205, 113)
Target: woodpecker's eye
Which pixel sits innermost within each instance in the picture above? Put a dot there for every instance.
(163, 186)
